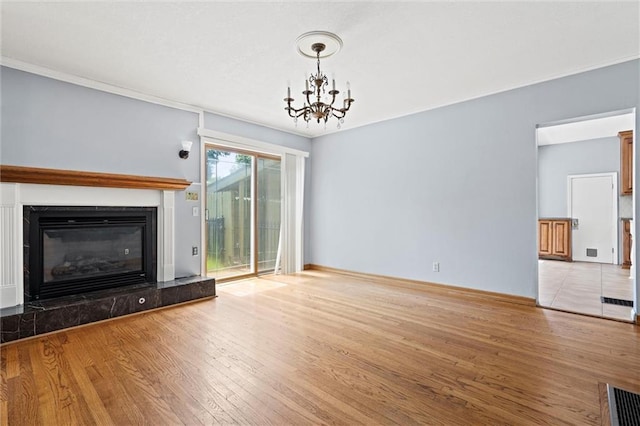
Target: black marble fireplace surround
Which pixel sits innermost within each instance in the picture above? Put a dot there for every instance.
(44, 316)
(69, 250)
(86, 298)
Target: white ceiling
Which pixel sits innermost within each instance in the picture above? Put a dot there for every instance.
(595, 128)
(235, 58)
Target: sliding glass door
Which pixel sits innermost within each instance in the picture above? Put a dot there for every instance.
(242, 212)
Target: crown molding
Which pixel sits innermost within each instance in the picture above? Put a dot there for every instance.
(129, 93)
(92, 84)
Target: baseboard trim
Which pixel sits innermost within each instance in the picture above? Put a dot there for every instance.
(439, 288)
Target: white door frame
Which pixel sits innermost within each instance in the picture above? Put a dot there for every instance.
(614, 179)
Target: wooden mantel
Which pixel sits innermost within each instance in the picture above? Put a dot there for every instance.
(19, 174)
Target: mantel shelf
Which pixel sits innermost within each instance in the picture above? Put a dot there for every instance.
(19, 174)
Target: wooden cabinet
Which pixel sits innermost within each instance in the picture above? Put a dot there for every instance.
(554, 239)
(626, 244)
(626, 162)
(544, 238)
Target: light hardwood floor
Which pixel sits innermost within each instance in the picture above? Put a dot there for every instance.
(578, 286)
(321, 348)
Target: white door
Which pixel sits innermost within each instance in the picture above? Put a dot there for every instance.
(594, 209)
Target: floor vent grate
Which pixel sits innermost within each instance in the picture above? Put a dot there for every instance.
(613, 301)
(624, 407)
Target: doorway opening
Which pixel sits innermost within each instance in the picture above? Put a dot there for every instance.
(242, 213)
(585, 216)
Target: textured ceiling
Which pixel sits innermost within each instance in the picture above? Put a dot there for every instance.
(235, 58)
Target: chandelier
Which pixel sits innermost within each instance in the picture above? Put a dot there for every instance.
(318, 101)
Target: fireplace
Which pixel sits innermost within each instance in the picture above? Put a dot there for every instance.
(72, 250)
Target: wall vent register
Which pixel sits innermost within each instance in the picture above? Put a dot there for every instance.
(624, 407)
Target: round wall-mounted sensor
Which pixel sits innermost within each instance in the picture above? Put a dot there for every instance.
(332, 44)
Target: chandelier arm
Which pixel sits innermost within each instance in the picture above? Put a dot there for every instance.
(333, 94)
(338, 113)
(297, 112)
(301, 111)
(293, 112)
(289, 109)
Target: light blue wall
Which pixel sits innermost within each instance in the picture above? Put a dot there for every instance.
(53, 124)
(50, 123)
(556, 162)
(455, 185)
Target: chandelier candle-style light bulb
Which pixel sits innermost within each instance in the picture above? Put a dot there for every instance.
(315, 86)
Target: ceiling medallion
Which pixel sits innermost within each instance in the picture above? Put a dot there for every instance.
(318, 104)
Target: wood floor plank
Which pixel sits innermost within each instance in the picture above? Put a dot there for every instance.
(181, 372)
(138, 387)
(323, 348)
(243, 374)
(55, 385)
(78, 366)
(115, 398)
(4, 385)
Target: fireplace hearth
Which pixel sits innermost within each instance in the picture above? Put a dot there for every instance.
(72, 250)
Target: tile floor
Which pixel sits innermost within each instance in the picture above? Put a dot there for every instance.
(577, 287)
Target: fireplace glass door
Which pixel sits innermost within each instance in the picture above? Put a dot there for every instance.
(242, 213)
(70, 250)
(75, 253)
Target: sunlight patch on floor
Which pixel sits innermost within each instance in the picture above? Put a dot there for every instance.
(249, 287)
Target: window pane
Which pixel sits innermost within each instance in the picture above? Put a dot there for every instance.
(228, 177)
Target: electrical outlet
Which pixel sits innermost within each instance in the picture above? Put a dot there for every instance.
(436, 266)
(194, 251)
